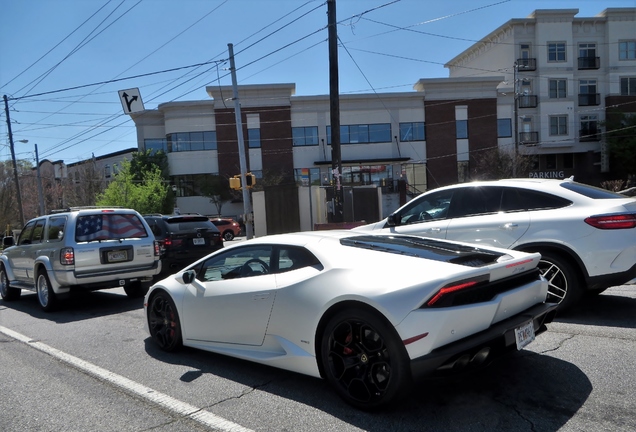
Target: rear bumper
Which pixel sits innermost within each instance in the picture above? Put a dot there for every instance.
(496, 340)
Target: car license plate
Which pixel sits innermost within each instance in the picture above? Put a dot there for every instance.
(117, 256)
(524, 335)
(199, 241)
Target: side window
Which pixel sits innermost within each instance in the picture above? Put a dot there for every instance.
(432, 206)
(524, 199)
(236, 263)
(57, 225)
(295, 258)
(25, 234)
(38, 231)
(476, 200)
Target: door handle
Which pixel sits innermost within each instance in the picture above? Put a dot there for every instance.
(510, 226)
(261, 296)
(435, 230)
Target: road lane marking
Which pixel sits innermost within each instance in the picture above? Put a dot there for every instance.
(173, 405)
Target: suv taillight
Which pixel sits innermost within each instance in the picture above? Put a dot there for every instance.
(67, 256)
(620, 221)
(157, 248)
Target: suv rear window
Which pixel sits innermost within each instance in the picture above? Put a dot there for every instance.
(108, 226)
(591, 191)
(190, 223)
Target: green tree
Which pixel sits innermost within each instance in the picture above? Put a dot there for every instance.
(217, 189)
(147, 195)
(146, 161)
(621, 140)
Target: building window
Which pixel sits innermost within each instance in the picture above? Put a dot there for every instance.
(461, 129)
(107, 171)
(558, 125)
(550, 161)
(412, 131)
(557, 88)
(305, 176)
(254, 138)
(156, 144)
(363, 133)
(589, 125)
(191, 141)
(628, 86)
(504, 128)
(627, 50)
(587, 86)
(587, 50)
(305, 136)
(556, 52)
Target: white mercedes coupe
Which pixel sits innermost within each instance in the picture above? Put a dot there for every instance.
(368, 312)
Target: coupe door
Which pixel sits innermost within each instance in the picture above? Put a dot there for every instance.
(426, 215)
(487, 215)
(232, 297)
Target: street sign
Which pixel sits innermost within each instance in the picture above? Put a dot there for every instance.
(131, 100)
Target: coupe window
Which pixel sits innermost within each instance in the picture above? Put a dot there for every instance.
(428, 207)
(237, 263)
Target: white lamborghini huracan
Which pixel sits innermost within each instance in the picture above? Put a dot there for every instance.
(368, 312)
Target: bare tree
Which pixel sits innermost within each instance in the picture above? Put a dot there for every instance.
(497, 163)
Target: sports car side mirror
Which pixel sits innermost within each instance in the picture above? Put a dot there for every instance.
(392, 220)
(188, 276)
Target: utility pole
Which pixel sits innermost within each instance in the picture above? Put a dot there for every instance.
(15, 165)
(516, 114)
(247, 204)
(40, 193)
(334, 110)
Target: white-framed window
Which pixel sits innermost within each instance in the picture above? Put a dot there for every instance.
(627, 50)
(558, 125)
(556, 52)
(558, 88)
(628, 86)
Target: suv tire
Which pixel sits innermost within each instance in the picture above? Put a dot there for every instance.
(136, 289)
(46, 296)
(7, 292)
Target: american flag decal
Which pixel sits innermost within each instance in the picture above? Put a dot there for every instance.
(108, 227)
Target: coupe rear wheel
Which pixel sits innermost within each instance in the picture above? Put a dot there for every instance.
(564, 284)
(364, 359)
(46, 296)
(163, 321)
(6, 292)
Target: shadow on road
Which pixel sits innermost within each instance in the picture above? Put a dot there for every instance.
(523, 391)
(607, 309)
(78, 306)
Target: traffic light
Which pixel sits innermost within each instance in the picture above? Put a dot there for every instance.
(250, 180)
(235, 182)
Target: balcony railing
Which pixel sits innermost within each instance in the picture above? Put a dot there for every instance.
(528, 101)
(526, 64)
(588, 99)
(589, 63)
(589, 135)
(528, 138)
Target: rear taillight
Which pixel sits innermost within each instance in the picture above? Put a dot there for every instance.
(157, 248)
(167, 242)
(620, 221)
(67, 256)
(449, 289)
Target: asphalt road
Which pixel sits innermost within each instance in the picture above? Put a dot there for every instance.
(91, 366)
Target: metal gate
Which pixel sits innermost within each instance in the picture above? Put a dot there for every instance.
(281, 207)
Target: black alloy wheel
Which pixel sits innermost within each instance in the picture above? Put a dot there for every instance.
(163, 321)
(364, 359)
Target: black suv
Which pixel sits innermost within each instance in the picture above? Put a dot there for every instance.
(183, 239)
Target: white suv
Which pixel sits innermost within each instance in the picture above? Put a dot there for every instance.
(91, 248)
(586, 235)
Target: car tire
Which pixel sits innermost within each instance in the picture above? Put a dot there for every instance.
(564, 283)
(364, 359)
(163, 322)
(228, 235)
(46, 297)
(136, 289)
(7, 292)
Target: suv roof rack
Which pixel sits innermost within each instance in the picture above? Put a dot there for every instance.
(78, 208)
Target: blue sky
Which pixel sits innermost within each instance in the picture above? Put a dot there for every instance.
(50, 47)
